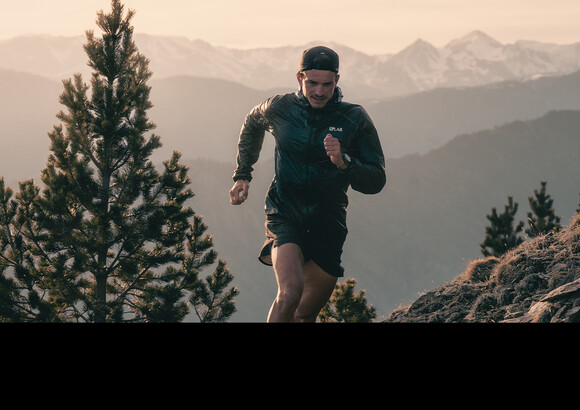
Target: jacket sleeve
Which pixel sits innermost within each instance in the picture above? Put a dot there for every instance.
(366, 173)
(250, 141)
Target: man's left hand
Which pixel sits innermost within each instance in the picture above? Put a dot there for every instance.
(332, 146)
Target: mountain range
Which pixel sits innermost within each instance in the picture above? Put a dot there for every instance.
(454, 151)
(474, 59)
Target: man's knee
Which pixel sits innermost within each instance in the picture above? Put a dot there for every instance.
(288, 299)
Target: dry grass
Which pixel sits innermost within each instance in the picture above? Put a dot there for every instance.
(513, 288)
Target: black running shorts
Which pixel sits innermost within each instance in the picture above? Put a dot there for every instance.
(318, 243)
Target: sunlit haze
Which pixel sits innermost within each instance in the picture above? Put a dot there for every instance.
(371, 26)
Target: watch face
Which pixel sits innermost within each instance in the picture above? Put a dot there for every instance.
(346, 158)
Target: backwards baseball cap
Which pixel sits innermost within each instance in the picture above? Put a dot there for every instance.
(319, 58)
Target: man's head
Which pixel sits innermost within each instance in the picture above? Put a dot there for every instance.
(318, 75)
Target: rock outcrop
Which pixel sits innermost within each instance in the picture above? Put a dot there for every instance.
(537, 282)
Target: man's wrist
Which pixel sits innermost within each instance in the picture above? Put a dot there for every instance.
(345, 162)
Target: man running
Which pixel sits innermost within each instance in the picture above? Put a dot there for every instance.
(323, 146)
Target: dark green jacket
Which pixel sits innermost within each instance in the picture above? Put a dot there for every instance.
(307, 186)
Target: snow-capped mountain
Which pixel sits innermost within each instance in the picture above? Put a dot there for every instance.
(472, 60)
(475, 59)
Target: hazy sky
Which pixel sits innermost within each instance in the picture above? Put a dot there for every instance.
(372, 26)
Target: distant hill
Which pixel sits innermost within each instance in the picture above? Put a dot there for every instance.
(28, 108)
(423, 121)
(199, 117)
(427, 224)
(202, 117)
(538, 282)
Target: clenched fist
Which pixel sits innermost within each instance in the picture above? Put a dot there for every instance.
(239, 192)
(332, 147)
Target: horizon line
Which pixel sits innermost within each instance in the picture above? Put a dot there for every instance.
(257, 47)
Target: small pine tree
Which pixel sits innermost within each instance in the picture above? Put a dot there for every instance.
(500, 235)
(209, 299)
(345, 306)
(542, 219)
(108, 239)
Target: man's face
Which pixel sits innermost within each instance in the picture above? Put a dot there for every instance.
(317, 86)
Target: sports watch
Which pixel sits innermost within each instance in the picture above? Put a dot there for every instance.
(346, 164)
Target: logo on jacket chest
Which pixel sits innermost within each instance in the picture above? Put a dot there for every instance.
(337, 129)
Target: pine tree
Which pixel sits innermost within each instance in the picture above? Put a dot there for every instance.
(109, 237)
(345, 306)
(542, 219)
(500, 235)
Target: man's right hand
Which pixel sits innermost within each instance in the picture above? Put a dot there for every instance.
(239, 192)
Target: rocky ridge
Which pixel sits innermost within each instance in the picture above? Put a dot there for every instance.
(537, 282)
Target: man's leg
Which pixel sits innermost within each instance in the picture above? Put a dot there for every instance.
(288, 263)
(318, 288)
